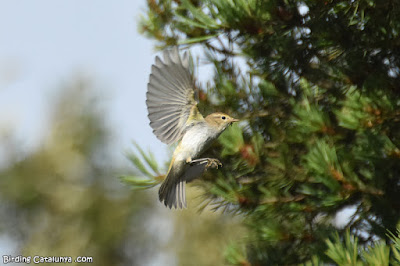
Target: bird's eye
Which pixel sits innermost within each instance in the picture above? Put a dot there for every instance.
(223, 117)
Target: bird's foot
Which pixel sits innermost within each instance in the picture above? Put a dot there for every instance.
(213, 163)
(210, 162)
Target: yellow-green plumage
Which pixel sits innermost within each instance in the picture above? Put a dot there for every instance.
(174, 116)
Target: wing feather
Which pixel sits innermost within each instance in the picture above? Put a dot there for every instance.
(164, 98)
(158, 86)
(156, 115)
(162, 87)
(170, 96)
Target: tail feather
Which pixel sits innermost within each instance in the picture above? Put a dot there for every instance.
(183, 193)
(172, 193)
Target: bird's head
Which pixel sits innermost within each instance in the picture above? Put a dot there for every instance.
(220, 121)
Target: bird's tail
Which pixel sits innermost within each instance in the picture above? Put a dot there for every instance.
(172, 192)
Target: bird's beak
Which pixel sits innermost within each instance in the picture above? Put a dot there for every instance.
(233, 120)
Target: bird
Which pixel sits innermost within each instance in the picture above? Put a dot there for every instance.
(174, 117)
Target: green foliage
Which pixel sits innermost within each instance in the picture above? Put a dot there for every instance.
(59, 199)
(344, 253)
(395, 247)
(348, 252)
(316, 86)
(235, 256)
(147, 179)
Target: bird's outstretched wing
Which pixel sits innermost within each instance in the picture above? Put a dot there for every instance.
(170, 97)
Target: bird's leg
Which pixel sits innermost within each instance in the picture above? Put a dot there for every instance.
(210, 162)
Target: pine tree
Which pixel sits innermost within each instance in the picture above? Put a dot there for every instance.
(319, 99)
(59, 200)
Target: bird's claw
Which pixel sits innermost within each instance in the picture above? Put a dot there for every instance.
(213, 163)
(209, 162)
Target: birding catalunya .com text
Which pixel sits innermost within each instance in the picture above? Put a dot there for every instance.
(45, 259)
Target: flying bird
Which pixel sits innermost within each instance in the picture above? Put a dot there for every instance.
(174, 116)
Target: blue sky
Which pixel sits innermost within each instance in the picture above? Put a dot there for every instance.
(45, 43)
